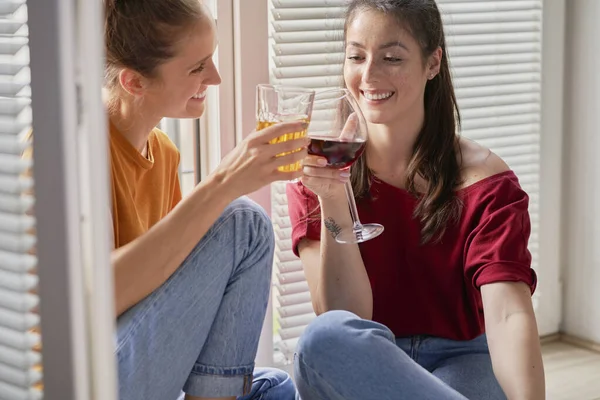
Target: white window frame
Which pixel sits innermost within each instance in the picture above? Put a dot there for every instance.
(551, 168)
(184, 133)
(96, 227)
(75, 286)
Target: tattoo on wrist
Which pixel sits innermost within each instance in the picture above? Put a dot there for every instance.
(333, 228)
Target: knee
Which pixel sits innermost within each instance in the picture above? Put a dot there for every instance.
(245, 204)
(334, 333)
(325, 335)
(255, 221)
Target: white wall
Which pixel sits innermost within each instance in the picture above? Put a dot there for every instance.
(548, 297)
(581, 194)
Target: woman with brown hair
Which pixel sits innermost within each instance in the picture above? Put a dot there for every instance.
(402, 316)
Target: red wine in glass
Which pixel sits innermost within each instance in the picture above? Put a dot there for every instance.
(338, 152)
(339, 133)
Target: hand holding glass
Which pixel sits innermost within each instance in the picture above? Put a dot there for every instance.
(338, 132)
(275, 104)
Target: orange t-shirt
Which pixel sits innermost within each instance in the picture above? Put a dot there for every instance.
(144, 189)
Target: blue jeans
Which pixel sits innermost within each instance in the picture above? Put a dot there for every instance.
(198, 332)
(341, 356)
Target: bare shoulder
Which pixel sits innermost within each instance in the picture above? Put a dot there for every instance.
(477, 162)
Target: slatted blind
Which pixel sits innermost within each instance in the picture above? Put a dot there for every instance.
(495, 55)
(20, 358)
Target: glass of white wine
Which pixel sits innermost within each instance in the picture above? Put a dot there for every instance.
(276, 104)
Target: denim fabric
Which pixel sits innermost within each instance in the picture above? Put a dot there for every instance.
(341, 356)
(199, 331)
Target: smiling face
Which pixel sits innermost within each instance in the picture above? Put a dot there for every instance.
(179, 90)
(384, 67)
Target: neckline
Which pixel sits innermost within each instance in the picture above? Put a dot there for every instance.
(462, 191)
(133, 153)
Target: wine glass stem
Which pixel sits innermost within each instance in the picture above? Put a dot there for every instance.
(356, 225)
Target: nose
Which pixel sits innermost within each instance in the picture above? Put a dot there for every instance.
(370, 73)
(212, 76)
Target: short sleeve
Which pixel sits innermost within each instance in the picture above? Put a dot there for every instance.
(496, 249)
(305, 216)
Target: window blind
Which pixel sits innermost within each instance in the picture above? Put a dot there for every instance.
(495, 55)
(20, 358)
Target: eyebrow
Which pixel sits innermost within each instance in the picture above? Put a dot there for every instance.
(202, 61)
(382, 47)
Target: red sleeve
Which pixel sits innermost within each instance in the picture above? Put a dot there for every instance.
(305, 216)
(496, 250)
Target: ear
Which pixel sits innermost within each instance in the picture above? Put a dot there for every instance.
(132, 82)
(434, 63)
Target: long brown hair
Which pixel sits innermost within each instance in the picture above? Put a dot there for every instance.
(435, 152)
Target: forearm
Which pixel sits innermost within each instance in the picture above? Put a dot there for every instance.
(343, 280)
(516, 356)
(147, 262)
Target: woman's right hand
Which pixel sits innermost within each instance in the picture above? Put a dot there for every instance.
(327, 183)
(253, 163)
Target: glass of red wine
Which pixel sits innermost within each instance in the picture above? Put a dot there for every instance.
(338, 132)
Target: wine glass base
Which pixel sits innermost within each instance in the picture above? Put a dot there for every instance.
(368, 232)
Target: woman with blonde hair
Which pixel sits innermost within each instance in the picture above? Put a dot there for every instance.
(192, 275)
